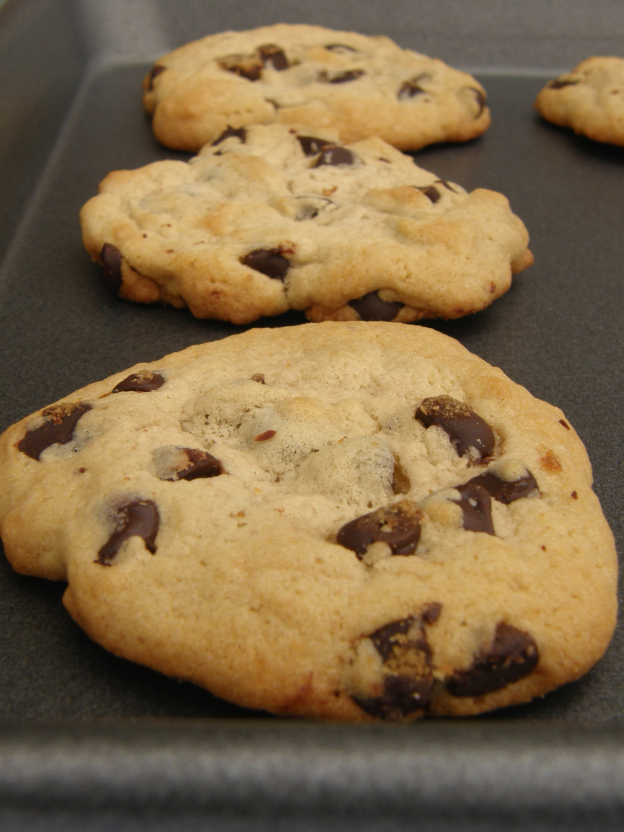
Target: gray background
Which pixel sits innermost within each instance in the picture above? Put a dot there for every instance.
(90, 741)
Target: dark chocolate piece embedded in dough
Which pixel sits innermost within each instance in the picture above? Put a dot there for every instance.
(247, 66)
(58, 429)
(371, 307)
(559, 83)
(342, 77)
(138, 518)
(311, 145)
(273, 56)
(476, 506)
(432, 193)
(334, 154)
(145, 381)
(464, 427)
(398, 525)
(502, 490)
(407, 673)
(409, 89)
(240, 133)
(480, 97)
(110, 257)
(268, 261)
(156, 70)
(512, 655)
(201, 465)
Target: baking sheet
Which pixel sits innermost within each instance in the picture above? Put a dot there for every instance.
(557, 332)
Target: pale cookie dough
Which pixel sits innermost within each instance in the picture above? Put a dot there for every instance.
(590, 100)
(350, 521)
(360, 86)
(268, 219)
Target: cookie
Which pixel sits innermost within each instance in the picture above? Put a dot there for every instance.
(271, 218)
(590, 100)
(351, 521)
(360, 86)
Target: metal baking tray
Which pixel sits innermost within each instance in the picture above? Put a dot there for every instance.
(90, 741)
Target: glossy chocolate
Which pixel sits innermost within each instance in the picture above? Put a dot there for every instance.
(371, 307)
(463, 426)
(58, 429)
(398, 525)
(268, 261)
(138, 518)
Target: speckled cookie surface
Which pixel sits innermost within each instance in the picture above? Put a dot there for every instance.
(360, 86)
(343, 520)
(590, 100)
(273, 218)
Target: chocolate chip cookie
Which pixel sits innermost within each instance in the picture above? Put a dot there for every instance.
(590, 100)
(360, 86)
(271, 218)
(351, 521)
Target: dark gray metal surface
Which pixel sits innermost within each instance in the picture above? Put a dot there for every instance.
(83, 744)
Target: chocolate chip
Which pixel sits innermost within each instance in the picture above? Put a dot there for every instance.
(342, 77)
(340, 47)
(268, 261)
(273, 56)
(137, 518)
(431, 192)
(465, 429)
(409, 89)
(145, 381)
(502, 490)
(110, 257)
(398, 525)
(311, 145)
(513, 654)
(559, 83)
(240, 133)
(431, 612)
(371, 307)
(246, 66)
(201, 465)
(476, 506)
(58, 429)
(408, 678)
(333, 154)
(156, 70)
(309, 207)
(481, 99)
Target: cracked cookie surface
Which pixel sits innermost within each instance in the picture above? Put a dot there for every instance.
(343, 520)
(268, 219)
(357, 85)
(590, 100)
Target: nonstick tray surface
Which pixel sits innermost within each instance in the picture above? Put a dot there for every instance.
(88, 740)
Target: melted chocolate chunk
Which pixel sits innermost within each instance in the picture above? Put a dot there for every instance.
(156, 70)
(311, 145)
(398, 525)
(476, 506)
(201, 464)
(503, 491)
(137, 518)
(342, 77)
(340, 47)
(333, 154)
(58, 429)
(432, 193)
(409, 89)
(144, 381)
(240, 133)
(512, 656)
(246, 66)
(110, 257)
(431, 612)
(559, 83)
(464, 428)
(371, 307)
(268, 261)
(408, 678)
(273, 56)
(481, 99)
